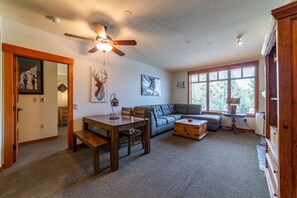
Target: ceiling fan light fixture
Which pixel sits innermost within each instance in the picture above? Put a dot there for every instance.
(104, 47)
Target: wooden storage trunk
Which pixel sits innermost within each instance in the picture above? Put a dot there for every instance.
(196, 129)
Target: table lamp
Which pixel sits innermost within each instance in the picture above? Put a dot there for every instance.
(233, 104)
(114, 102)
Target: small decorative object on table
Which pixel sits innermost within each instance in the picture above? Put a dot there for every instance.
(114, 102)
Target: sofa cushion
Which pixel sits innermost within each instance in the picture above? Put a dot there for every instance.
(165, 109)
(208, 117)
(172, 108)
(194, 109)
(161, 122)
(181, 108)
(158, 110)
(176, 116)
(168, 118)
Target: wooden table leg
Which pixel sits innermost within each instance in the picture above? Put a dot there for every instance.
(114, 152)
(129, 144)
(147, 144)
(232, 127)
(74, 148)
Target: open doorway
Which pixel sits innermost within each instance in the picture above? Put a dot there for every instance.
(62, 99)
(11, 102)
(43, 101)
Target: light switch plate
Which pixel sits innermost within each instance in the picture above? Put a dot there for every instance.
(75, 106)
(42, 99)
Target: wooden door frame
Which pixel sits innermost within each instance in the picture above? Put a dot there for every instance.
(9, 52)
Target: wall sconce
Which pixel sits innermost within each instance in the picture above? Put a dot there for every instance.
(114, 102)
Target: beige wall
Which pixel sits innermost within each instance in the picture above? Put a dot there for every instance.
(124, 73)
(181, 95)
(36, 113)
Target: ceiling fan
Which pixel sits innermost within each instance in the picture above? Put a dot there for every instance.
(104, 42)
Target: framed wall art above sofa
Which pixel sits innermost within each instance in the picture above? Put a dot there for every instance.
(150, 86)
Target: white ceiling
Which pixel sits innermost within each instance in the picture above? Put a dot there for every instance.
(170, 34)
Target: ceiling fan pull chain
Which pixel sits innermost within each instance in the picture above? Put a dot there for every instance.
(104, 61)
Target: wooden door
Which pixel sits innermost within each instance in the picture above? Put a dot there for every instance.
(16, 108)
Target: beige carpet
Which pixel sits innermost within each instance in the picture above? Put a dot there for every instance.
(221, 165)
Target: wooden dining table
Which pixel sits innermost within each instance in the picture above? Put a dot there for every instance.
(114, 127)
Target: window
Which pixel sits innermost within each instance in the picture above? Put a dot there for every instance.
(211, 87)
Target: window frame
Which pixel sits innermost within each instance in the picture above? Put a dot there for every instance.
(228, 68)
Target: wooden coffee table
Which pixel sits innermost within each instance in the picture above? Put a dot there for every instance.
(190, 128)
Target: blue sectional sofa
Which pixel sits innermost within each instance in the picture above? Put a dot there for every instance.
(162, 117)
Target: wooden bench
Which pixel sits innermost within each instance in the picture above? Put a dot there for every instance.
(93, 141)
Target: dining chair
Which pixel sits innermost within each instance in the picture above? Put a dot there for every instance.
(126, 111)
(134, 132)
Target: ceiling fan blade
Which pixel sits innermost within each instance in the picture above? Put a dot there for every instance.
(93, 50)
(124, 42)
(100, 30)
(79, 37)
(118, 52)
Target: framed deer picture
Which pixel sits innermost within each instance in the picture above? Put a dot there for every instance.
(150, 86)
(99, 79)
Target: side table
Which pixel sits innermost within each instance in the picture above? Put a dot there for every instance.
(233, 116)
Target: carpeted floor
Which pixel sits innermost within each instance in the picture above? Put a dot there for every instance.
(33, 152)
(221, 165)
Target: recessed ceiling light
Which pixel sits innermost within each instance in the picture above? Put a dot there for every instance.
(128, 13)
(54, 19)
(239, 40)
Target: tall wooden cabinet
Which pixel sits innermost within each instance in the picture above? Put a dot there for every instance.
(280, 50)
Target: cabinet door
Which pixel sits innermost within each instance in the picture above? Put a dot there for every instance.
(286, 53)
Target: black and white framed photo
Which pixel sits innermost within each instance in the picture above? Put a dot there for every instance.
(181, 85)
(150, 86)
(30, 76)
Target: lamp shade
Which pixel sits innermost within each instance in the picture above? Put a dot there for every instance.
(114, 102)
(233, 101)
